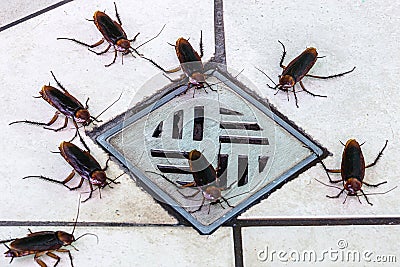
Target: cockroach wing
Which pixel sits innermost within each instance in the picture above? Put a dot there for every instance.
(301, 65)
(353, 165)
(80, 160)
(188, 57)
(110, 29)
(203, 172)
(40, 241)
(65, 103)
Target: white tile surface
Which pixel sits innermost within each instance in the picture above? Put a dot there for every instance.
(137, 246)
(362, 105)
(11, 10)
(321, 246)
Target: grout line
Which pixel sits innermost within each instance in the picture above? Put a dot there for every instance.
(219, 33)
(238, 245)
(318, 221)
(83, 224)
(14, 23)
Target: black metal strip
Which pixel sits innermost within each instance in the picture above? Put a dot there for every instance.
(243, 140)
(12, 24)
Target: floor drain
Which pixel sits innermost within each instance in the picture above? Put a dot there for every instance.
(256, 149)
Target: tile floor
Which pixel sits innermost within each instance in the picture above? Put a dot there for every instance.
(135, 230)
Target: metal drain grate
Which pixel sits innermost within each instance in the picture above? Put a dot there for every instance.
(257, 150)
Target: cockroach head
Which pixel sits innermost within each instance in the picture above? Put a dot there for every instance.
(212, 193)
(197, 78)
(83, 116)
(124, 44)
(352, 186)
(194, 155)
(98, 178)
(65, 238)
(286, 82)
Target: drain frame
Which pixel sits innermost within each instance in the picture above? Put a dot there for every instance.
(103, 133)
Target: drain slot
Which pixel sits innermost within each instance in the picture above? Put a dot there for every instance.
(243, 170)
(222, 172)
(198, 124)
(249, 126)
(177, 125)
(243, 140)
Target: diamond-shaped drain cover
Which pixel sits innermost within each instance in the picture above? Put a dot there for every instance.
(256, 149)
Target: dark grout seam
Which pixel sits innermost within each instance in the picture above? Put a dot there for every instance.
(14, 23)
(238, 245)
(84, 224)
(317, 221)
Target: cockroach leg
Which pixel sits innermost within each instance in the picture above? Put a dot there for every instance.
(134, 38)
(374, 185)
(102, 52)
(337, 196)
(366, 198)
(82, 43)
(106, 167)
(69, 254)
(91, 192)
(283, 55)
(60, 128)
(295, 96)
(39, 123)
(189, 196)
(87, 103)
(54, 256)
(117, 15)
(378, 157)
(330, 76)
(58, 83)
(115, 58)
(56, 181)
(305, 90)
(199, 208)
(201, 44)
(39, 261)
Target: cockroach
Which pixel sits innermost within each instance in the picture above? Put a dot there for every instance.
(114, 34)
(69, 106)
(353, 170)
(190, 63)
(205, 180)
(296, 70)
(85, 165)
(41, 243)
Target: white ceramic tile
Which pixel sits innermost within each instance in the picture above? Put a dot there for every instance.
(136, 246)
(13, 10)
(359, 105)
(26, 68)
(321, 246)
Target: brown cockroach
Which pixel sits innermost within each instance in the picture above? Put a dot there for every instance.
(190, 63)
(43, 243)
(85, 165)
(352, 171)
(205, 180)
(114, 34)
(69, 106)
(296, 70)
